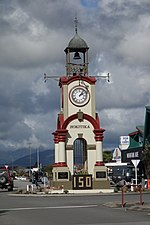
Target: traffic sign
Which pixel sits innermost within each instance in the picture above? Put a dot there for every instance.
(135, 163)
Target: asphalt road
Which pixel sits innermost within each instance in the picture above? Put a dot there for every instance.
(69, 210)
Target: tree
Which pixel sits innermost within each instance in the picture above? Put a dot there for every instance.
(107, 156)
(48, 169)
(146, 159)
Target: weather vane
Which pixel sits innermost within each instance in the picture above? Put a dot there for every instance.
(76, 24)
(46, 77)
(107, 76)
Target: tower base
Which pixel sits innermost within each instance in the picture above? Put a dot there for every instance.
(100, 173)
(61, 174)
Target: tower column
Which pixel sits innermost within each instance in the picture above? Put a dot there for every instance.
(99, 153)
(99, 146)
(56, 141)
(61, 153)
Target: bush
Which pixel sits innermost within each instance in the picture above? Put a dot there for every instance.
(116, 190)
(66, 191)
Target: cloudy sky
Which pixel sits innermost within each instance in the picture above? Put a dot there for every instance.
(33, 36)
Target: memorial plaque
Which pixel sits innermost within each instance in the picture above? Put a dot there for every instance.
(62, 175)
(100, 174)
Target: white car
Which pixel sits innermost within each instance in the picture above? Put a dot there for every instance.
(20, 178)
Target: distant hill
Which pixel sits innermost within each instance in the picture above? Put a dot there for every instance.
(45, 158)
(8, 156)
(22, 157)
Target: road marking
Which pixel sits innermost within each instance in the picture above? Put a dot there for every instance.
(49, 207)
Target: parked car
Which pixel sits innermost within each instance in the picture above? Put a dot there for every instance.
(6, 180)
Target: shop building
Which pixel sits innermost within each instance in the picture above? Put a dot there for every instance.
(137, 141)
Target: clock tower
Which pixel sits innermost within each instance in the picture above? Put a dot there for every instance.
(78, 138)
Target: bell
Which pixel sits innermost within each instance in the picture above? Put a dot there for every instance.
(76, 55)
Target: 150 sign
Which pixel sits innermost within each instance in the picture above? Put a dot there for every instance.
(82, 182)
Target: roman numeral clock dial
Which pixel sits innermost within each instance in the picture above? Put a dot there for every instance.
(79, 95)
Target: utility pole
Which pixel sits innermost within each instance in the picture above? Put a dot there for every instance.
(38, 158)
(29, 158)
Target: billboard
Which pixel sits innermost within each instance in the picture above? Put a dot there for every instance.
(124, 140)
(117, 154)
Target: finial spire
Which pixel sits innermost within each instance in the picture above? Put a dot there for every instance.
(76, 24)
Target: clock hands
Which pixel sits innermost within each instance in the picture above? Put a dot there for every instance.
(81, 93)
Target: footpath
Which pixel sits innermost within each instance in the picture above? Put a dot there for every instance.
(135, 206)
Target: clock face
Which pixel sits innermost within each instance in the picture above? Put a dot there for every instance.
(79, 95)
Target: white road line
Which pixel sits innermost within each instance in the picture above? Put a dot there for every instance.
(49, 207)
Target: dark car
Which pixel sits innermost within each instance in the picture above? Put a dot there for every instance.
(6, 180)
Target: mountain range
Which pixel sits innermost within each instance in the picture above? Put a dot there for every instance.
(26, 158)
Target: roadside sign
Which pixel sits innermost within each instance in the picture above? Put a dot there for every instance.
(6, 166)
(135, 163)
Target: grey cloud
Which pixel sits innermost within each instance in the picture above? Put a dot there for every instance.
(34, 35)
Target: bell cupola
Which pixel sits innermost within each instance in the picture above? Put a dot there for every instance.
(77, 55)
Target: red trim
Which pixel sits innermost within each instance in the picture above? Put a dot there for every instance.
(94, 122)
(62, 134)
(133, 133)
(99, 134)
(100, 163)
(60, 121)
(97, 119)
(56, 140)
(140, 131)
(60, 164)
(54, 165)
(67, 80)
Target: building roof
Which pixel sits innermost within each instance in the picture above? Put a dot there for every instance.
(140, 129)
(133, 133)
(147, 107)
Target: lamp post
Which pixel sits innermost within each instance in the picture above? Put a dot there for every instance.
(38, 158)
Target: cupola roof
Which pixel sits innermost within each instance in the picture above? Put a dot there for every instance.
(77, 43)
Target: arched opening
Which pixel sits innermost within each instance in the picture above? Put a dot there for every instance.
(80, 156)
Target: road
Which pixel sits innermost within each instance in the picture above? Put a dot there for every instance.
(69, 210)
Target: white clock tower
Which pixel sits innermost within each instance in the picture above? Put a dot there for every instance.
(78, 138)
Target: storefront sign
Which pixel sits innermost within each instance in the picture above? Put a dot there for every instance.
(124, 140)
(130, 154)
